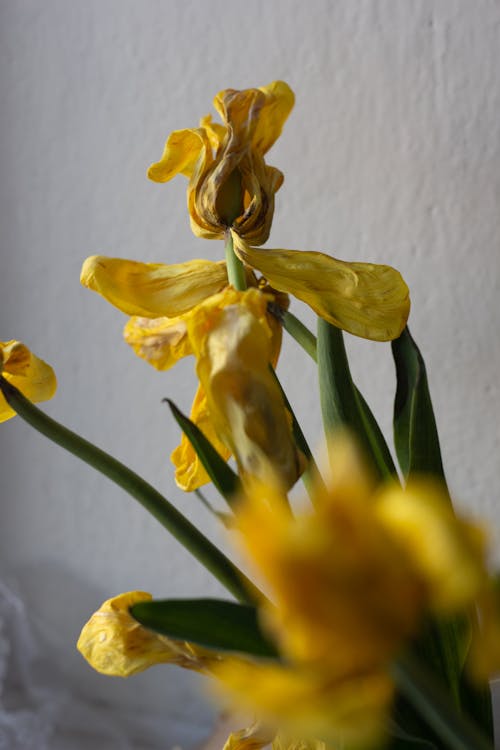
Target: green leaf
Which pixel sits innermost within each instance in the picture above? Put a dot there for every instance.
(342, 404)
(415, 432)
(212, 623)
(223, 477)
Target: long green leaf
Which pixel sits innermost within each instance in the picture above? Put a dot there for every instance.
(215, 624)
(341, 402)
(222, 476)
(415, 432)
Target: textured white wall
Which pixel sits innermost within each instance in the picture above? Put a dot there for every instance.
(392, 155)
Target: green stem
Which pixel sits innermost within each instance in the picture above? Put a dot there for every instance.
(300, 333)
(434, 705)
(235, 268)
(164, 512)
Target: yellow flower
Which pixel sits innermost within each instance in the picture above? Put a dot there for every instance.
(148, 291)
(229, 182)
(350, 584)
(30, 375)
(117, 645)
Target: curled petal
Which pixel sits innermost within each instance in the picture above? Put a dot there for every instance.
(232, 344)
(32, 376)
(365, 299)
(190, 474)
(153, 290)
(180, 155)
(115, 644)
(278, 105)
(160, 341)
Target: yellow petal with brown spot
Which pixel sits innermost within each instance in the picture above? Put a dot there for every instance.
(160, 341)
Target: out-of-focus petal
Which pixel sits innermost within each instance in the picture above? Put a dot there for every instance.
(29, 374)
(153, 290)
(308, 702)
(190, 474)
(180, 155)
(160, 341)
(365, 299)
(115, 644)
(254, 737)
(448, 553)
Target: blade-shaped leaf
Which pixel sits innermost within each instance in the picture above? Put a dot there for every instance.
(213, 623)
(415, 432)
(224, 478)
(342, 404)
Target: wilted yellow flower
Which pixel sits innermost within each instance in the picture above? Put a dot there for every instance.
(32, 376)
(117, 645)
(148, 290)
(350, 584)
(232, 340)
(230, 185)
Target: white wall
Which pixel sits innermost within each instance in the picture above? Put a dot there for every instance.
(392, 155)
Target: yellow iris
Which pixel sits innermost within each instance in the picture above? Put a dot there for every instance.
(115, 644)
(350, 585)
(229, 182)
(30, 375)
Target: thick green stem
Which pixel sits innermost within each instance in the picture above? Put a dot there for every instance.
(164, 512)
(435, 706)
(235, 268)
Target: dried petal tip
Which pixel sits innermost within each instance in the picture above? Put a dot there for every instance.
(32, 376)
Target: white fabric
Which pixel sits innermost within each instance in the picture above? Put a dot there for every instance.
(39, 712)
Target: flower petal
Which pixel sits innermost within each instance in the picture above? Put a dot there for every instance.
(160, 341)
(180, 155)
(278, 105)
(32, 376)
(254, 737)
(115, 644)
(153, 290)
(232, 341)
(365, 299)
(190, 474)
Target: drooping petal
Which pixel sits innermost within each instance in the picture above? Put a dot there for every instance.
(153, 290)
(160, 341)
(115, 644)
(231, 339)
(180, 155)
(190, 474)
(365, 299)
(29, 374)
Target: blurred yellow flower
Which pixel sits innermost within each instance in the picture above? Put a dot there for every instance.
(350, 584)
(115, 644)
(32, 376)
(230, 185)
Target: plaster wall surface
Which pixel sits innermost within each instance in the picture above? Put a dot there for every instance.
(391, 155)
